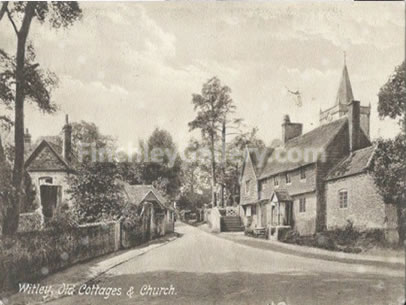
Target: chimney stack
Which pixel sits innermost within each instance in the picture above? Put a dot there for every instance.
(67, 140)
(354, 125)
(27, 140)
(290, 130)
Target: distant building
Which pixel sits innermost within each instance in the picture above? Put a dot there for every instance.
(323, 192)
(340, 107)
(160, 214)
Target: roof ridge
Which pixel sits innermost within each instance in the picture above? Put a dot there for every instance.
(317, 128)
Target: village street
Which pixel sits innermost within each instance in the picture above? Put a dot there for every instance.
(205, 269)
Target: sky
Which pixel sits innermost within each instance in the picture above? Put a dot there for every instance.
(131, 67)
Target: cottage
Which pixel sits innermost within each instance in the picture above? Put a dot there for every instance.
(292, 187)
(161, 215)
(352, 196)
(49, 165)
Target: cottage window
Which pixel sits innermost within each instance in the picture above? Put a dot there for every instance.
(275, 181)
(302, 174)
(287, 177)
(343, 199)
(302, 205)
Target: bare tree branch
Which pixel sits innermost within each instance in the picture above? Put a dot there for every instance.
(3, 9)
(12, 21)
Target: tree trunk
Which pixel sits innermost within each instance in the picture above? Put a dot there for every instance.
(401, 213)
(223, 160)
(213, 172)
(13, 210)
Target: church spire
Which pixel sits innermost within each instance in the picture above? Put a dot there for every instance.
(344, 94)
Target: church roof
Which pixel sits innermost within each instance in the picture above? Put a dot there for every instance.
(344, 93)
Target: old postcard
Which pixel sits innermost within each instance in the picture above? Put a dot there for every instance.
(202, 152)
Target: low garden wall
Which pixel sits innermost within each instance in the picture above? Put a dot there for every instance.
(29, 256)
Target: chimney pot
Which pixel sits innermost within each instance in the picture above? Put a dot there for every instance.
(290, 130)
(27, 140)
(354, 125)
(67, 140)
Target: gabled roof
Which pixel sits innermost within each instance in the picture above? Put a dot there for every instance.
(53, 161)
(344, 93)
(137, 194)
(281, 195)
(316, 140)
(258, 157)
(356, 163)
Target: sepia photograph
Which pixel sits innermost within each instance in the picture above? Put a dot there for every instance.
(202, 152)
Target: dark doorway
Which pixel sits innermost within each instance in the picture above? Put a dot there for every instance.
(49, 199)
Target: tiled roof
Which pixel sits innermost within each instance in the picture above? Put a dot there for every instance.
(259, 157)
(53, 143)
(282, 195)
(355, 163)
(137, 193)
(315, 139)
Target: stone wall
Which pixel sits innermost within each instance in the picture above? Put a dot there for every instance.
(366, 209)
(30, 256)
(305, 222)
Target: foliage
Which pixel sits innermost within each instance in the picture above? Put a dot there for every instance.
(163, 172)
(20, 79)
(88, 133)
(193, 201)
(96, 192)
(39, 83)
(131, 217)
(392, 95)
(213, 106)
(195, 169)
(389, 168)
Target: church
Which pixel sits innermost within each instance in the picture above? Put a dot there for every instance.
(328, 191)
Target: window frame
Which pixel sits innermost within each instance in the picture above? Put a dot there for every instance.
(288, 178)
(302, 205)
(247, 186)
(43, 180)
(341, 203)
(302, 174)
(276, 181)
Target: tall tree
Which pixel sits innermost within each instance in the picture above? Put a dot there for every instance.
(196, 176)
(389, 159)
(389, 169)
(392, 96)
(160, 163)
(213, 105)
(24, 80)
